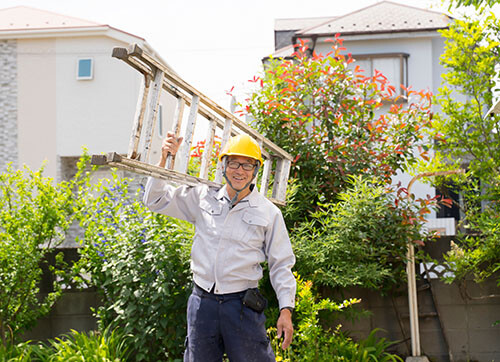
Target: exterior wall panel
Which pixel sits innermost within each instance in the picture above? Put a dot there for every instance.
(8, 104)
(36, 105)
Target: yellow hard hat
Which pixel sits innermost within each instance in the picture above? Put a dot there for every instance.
(242, 145)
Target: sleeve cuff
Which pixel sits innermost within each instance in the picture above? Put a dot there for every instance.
(287, 301)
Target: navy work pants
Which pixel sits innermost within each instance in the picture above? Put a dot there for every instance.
(219, 323)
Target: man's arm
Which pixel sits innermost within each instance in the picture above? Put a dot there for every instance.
(281, 260)
(160, 196)
(285, 326)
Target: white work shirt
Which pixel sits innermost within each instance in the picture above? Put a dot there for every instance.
(230, 244)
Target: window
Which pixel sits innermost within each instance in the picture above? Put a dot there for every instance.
(85, 69)
(394, 66)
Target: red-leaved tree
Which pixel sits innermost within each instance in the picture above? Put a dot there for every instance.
(337, 122)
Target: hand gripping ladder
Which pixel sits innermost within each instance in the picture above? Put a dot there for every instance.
(157, 79)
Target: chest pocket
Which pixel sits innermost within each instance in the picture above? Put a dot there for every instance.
(211, 209)
(209, 213)
(252, 231)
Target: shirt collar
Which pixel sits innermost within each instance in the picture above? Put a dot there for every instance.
(252, 197)
(222, 194)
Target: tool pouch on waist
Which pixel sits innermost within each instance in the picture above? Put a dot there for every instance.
(254, 300)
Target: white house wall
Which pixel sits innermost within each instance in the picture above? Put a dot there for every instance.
(424, 73)
(96, 113)
(437, 69)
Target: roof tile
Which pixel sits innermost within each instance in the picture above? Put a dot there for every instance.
(24, 18)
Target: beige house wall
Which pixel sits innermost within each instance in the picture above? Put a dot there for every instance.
(36, 104)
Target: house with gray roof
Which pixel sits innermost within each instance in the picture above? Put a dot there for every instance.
(61, 90)
(401, 41)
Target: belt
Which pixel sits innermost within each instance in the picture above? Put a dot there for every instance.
(197, 290)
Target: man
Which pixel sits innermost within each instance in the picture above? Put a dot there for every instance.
(236, 229)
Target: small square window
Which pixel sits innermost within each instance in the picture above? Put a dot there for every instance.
(85, 69)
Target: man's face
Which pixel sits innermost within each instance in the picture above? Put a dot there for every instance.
(239, 177)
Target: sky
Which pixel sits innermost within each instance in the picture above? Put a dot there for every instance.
(213, 44)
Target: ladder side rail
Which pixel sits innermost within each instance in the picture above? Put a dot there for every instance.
(115, 160)
(277, 177)
(122, 54)
(169, 175)
(176, 128)
(228, 125)
(153, 104)
(174, 78)
(206, 159)
(256, 181)
(279, 189)
(188, 136)
(266, 172)
(140, 112)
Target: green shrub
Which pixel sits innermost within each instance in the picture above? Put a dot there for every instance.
(35, 213)
(74, 346)
(139, 263)
(313, 342)
(361, 240)
(79, 346)
(22, 352)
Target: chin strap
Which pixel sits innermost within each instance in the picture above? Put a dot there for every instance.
(235, 198)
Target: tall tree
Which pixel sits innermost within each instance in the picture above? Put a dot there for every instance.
(336, 122)
(476, 3)
(471, 140)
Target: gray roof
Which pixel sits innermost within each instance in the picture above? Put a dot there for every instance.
(28, 19)
(382, 17)
(25, 17)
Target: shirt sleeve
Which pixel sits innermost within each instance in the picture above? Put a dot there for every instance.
(179, 202)
(281, 259)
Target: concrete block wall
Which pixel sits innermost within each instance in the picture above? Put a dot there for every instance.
(67, 170)
(71, 311)
(468, 313)
(468, 323)
(8, 104)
